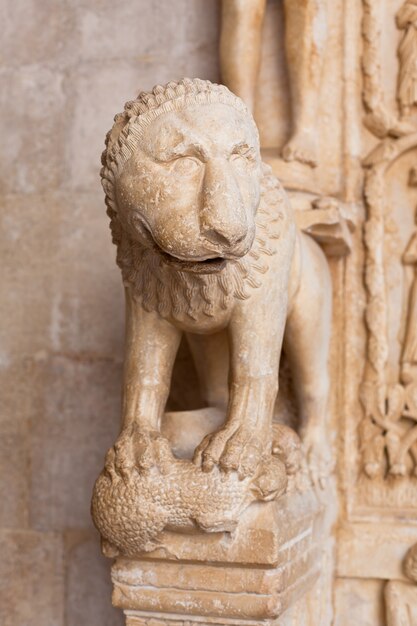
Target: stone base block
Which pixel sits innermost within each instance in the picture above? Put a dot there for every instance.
(250, 576)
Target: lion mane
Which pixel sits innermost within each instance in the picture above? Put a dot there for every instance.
(160, 287)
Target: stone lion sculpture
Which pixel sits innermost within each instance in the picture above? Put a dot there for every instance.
(207, 245)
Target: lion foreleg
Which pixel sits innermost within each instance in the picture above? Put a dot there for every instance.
(255, 345)
(150, 349)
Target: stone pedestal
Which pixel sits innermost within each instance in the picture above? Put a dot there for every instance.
(252, 575)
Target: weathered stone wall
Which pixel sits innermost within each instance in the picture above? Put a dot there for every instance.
(67, 67)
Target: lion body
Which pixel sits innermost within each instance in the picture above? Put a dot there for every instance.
(185, 187)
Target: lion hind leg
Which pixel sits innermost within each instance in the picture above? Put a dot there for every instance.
(307, 345)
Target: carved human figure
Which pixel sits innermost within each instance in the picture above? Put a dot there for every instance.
(401, 597)
(305, 42)
(380, 431)
(409, 354)
(372, 447)
(208, 247)
(407, 53)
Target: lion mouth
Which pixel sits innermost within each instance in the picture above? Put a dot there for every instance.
(208, 266)
(194, 266)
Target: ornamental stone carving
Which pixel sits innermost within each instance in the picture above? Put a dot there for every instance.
(207, 243)
(208, 247)
(305, 45)
(262, 237)
(407, 52)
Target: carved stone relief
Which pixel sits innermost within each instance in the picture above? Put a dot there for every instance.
(214, 249)
(208, 246)
(280, 58)
(305, 42)
(214, 275)
(387, 431)
(407, 53)
(380, 120)
(379, 467)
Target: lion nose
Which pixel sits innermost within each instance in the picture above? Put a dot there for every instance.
(228, 237)
(223, 219)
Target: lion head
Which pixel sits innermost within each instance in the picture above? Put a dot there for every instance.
(183, 178)
(188, 174)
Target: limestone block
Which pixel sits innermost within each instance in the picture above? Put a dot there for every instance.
(374, 551)
(35, 160)
(32, 579)
(26, 223)
(162, 32)
(25, 40)
(88, 589)
(41, 237)
(253, 574)
(359, 602)
(17, 401)
(13, 477)
(89, 290)
(76, 422)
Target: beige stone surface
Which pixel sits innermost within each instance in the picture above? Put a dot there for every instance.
(14, 444)
(207, 243)
(32, 589)
(264, 568)
(365, 125)
(305, 36)
(359, 602)
(88, 592)
(66, 435)
(66, 67)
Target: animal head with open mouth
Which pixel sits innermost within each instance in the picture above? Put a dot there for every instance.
(183, 179)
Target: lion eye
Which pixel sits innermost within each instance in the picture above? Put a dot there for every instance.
(186, 165)
(241, 161)
(243, 158)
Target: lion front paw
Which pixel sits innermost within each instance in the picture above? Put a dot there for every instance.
(138, 450)
(231, 449)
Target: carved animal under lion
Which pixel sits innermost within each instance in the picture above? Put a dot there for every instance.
(207, 245)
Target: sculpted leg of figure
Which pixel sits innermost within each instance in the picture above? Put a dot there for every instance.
(305, 42)
(240, 46)
(211, 358)
(307, 340)
(151, 347)
(409, 355)
(255, 335)
(372, 447)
